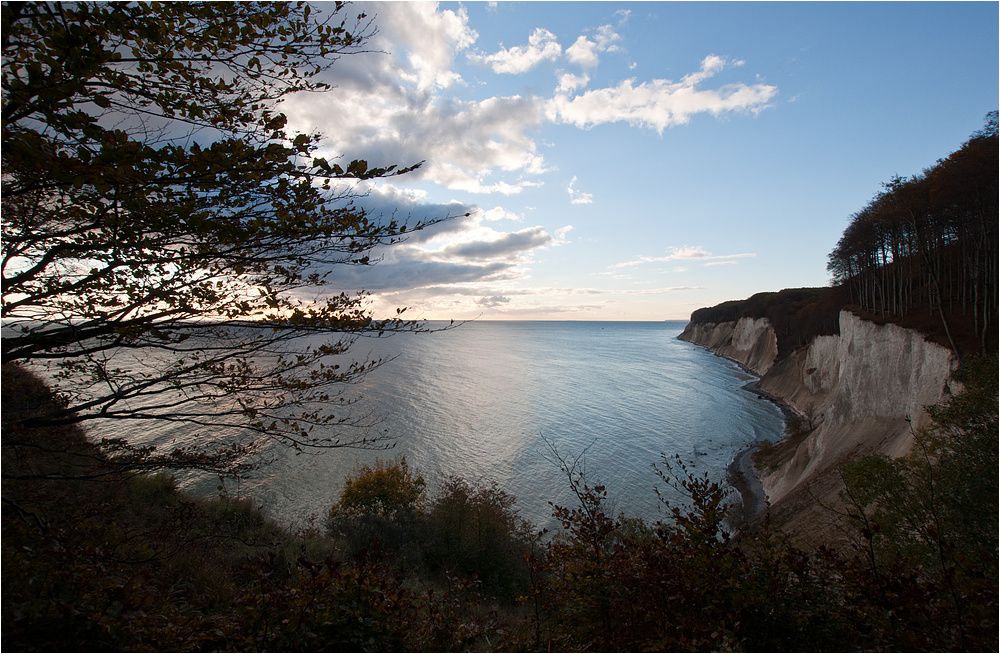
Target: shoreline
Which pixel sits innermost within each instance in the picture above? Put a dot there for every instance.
(786, 410)
(743, 477)
(741, 472)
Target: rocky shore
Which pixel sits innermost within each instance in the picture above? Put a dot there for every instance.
(743, 477)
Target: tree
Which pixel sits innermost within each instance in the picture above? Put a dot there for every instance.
(927, 244)
(163, 231)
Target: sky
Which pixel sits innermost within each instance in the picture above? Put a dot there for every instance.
(637, 161)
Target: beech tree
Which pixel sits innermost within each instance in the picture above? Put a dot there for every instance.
(928, 243)
(165, 237)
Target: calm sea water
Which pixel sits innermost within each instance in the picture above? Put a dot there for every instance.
(480, 401)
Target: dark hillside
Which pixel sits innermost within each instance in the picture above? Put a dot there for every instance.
(96, 559)
(797, 314)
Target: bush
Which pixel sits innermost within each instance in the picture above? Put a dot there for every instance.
(385, 490)
(378, 512)
(477, 532)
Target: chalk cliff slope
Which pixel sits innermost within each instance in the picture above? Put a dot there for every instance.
(861, 391)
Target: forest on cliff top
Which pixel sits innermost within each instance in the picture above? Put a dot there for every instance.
(922, 253)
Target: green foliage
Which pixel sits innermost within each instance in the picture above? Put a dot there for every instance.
(324, 605)
(944, 493)
(377, 514)
(468, 531)
(128, 563)
(125, 562)
(924, 252)
(613, 584)
(385, 490)
(475, 531)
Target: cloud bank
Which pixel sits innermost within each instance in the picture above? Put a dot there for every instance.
(421, 95)
(397, 105)
(687, 253)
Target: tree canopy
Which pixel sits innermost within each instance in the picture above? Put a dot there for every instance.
(165, 237)
(797, 314)
(928, 243)
(922, 252)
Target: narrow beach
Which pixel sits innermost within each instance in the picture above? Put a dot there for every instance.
(743, 477)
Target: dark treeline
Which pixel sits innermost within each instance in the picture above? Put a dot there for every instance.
(796, 314)
(926, 246)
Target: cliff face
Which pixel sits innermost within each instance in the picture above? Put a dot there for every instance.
(860, 391)
(749, 342)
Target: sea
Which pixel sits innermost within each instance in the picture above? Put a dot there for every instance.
(508, 402)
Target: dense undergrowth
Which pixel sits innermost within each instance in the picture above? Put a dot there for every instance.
(97, 559)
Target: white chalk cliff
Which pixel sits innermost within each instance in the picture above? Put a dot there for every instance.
(863, 390)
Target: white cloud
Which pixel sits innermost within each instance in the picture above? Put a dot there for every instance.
(710, 65)
(503, 247)
(583, 52)
(499, 213)
(430, 37)
(569, 82)
(402, 102)
(492, 301)
(577, 196)
(389, 109)
(607, 39)
(542, 46)
(459, 251)
(462, 143)
(394, 194)
(660, 291)
(686, 253)
(456, 178)
(658, 104)
(392, 109)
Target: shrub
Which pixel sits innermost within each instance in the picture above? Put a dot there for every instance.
(477, 531)
(927, 522)
(384, 489)
(377, 514)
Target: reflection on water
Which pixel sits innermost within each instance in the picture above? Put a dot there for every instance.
(478, 400)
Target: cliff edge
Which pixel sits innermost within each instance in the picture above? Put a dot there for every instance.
(860, 391)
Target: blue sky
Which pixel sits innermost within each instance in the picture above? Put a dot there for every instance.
(637, 161)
